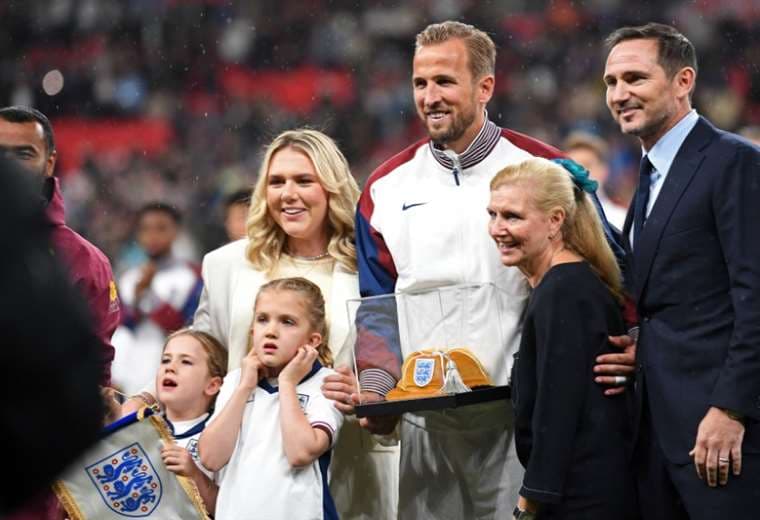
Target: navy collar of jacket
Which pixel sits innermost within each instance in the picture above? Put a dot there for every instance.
(189, 433)
(478, 150)
(264, 384)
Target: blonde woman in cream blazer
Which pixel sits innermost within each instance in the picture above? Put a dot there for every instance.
(231, 283)
(301, 223)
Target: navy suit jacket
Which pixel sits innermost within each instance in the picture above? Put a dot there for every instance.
(695, 277)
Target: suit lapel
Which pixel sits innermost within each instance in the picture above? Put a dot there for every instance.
(627, 226)
(684, 167)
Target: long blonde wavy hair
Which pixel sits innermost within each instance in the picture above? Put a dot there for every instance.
(267, 240)
(550, 187)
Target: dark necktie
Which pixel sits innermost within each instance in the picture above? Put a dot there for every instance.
(642, 198)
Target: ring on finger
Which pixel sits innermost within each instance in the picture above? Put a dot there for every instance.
(723, 460)
(620, 380)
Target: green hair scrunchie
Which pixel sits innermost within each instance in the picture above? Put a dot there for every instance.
(580, 175)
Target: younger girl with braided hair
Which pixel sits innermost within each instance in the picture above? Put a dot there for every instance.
(189, 377)
(572, 439)
(272, 432)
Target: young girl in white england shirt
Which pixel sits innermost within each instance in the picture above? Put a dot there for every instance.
(271, 434)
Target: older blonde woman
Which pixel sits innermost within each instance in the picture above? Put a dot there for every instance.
(301, 223)
(572, 439)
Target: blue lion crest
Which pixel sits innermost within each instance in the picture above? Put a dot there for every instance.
(127, 481)
(423, 371)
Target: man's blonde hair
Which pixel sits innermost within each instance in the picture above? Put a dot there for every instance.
(267, 239)
(481, 51)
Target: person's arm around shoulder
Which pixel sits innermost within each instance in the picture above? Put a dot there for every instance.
(617, 370)
(218, 440)
(303, 443)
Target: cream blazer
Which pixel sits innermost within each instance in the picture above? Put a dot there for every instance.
(364, 472)
(230, 286)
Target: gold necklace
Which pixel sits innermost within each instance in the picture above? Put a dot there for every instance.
(309, 258)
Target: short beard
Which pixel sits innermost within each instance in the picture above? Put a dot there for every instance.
(456, 130)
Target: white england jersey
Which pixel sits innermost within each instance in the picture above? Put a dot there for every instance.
(186, 435)
(258, 482)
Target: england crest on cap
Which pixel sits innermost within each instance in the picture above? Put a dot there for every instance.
(423, 371)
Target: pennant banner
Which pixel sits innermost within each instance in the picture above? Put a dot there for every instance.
(123, 476)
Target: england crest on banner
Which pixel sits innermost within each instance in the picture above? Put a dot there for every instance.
(123, 476)
(127, 481)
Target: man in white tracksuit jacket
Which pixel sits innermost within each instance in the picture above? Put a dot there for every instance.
(422, 223)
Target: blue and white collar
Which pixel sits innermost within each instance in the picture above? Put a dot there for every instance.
(195, 429)
(264, 384)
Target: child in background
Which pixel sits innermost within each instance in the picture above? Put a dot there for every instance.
(273, 430)
(189, 378)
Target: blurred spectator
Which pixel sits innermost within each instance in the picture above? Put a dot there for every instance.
(236, 213)
(752, 133)
(591, 152)
(51, 406)
(159, 297)
(199, 86)
(26, 137)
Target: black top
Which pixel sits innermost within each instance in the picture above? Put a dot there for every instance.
(571, 438)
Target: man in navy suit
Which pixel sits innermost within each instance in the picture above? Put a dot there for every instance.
(693, 239)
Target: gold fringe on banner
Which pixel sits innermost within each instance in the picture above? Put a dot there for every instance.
(67, 501)
(188, 486)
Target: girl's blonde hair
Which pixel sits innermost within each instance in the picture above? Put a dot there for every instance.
(216, 354)
(551, 186)
(314, 304)
(267, 239)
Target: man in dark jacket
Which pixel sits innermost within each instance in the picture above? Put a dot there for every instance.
(27, 137)
(692, 239)
(51, 408)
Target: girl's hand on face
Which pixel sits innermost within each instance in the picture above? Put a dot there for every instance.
(299, 366)
(251, 370)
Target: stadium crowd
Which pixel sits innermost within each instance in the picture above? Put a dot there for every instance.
(195, 76)
(645, 321)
